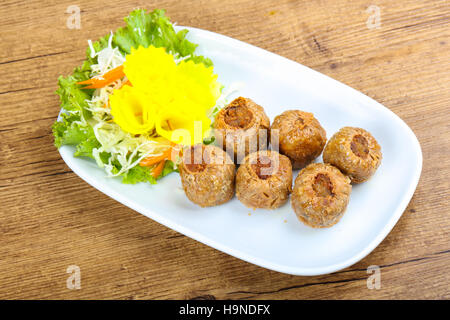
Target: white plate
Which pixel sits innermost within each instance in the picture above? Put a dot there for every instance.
(276, 239)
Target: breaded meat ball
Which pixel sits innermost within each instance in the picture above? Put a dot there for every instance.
(242, 127)
(320, 196)
(207, 175)
(355, 152)
(301, 137)
(264, 180)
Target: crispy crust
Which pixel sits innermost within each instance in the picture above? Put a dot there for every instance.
(228, 134)
(214, 183)
(316, 210)
(302, 138)
(268, 192)
(339, 153)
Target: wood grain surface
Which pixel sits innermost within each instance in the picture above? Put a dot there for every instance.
(50, 218)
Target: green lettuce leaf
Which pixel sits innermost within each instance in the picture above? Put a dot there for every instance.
(143, 174)
(84, 148)
(168, 168)
(70, 132)
(154, 28)
(138, 174)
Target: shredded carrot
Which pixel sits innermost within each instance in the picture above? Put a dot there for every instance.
(156, 172)
(151, 160)
(107, 78)
(127, 83)
(166, 155)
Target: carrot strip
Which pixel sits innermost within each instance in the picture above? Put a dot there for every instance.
(127, 83)
(149, 161)
(89, 81)
(92, 87)
(172, 156)
(156, 172)
(107, 78)
(167, 155)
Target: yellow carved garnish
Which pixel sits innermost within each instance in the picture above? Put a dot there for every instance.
(172, 99)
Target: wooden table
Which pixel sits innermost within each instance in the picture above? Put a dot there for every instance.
(51, 219)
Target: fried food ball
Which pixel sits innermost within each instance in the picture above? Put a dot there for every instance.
(207, 175)
(355, 152)
(264, 180)
(241, 128)
(321, 194)
(301, 137)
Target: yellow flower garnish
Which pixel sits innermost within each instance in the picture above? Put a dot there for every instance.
(172, 99)
(131, 110)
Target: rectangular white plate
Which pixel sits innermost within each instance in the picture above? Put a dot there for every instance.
(276, 239)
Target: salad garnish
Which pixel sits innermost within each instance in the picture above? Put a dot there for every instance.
(136, 89)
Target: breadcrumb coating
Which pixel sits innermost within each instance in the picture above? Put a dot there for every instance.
(301, 137)
(241, 128)
(321, 195)
(209, 180)
(264, 180)
(355, 152)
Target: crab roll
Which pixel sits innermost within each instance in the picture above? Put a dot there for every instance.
(264, 180)
(320, 196)
(355, 152)
(207, 175)
(301, 137)
(242, 127)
